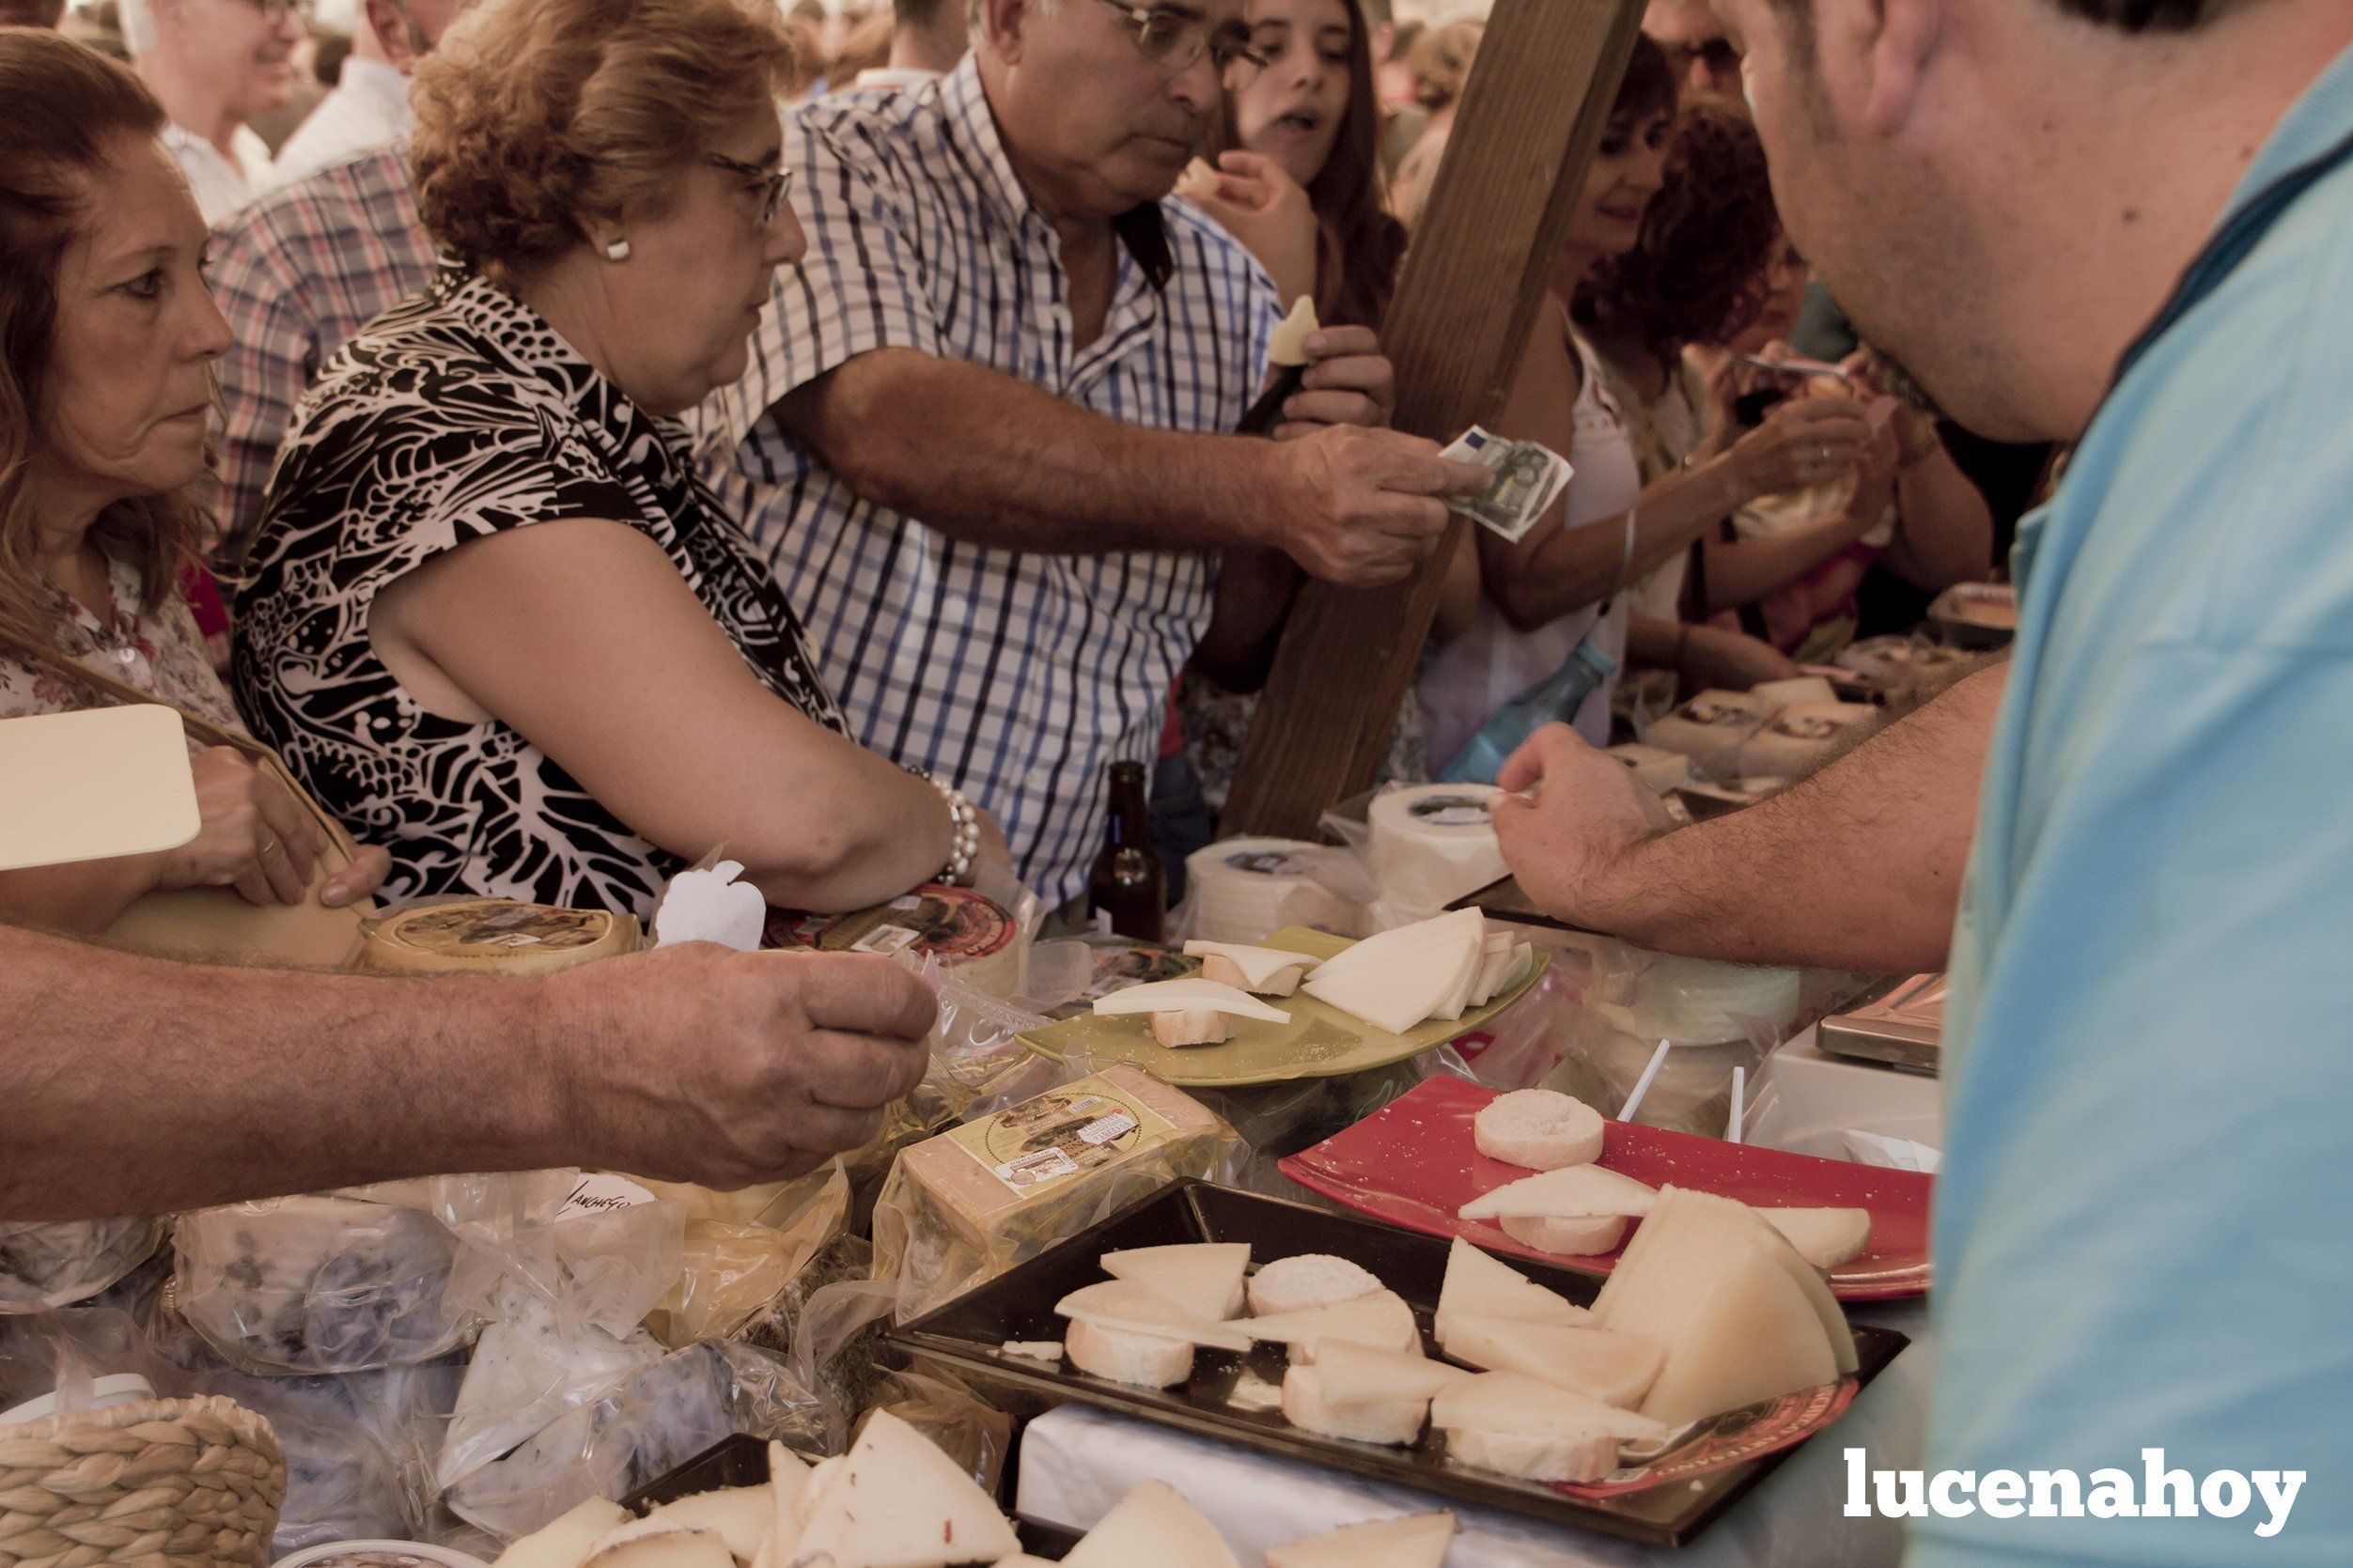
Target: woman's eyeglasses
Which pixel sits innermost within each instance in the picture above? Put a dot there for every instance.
(777, 182)
(1174, 40)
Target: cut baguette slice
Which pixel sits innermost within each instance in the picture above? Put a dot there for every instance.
(1282, 982)
(1307, 1280)
(1515, 1403)
(1823, 1237)
(1417, 1540)
(1139, 1360)
(1189, 994)
(1360, 1374)
(1128, 1305)
(1192, 1026)
(741, 1515)
(1261, 969)
(1396, 1422)
(1567, 1457)
(1205, 1277)
(1615, 1369)
(659, 1543)
(1538, 1128)
(1152, 1527)
(1576, 1192)
(1568, 1238)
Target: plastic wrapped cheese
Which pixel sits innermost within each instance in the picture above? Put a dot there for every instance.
(1244, 888)
(1804, 736)
(741, 1250)
(1432, 844)
(55, 1265)
(493, 936)
(1711, 730)
(966, 1205)
(973, 936)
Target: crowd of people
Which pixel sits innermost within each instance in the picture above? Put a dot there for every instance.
(620, 433)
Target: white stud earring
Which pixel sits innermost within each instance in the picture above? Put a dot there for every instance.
(617, 251)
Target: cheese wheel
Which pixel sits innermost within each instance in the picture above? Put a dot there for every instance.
(1433, 844)
(1578, 1236)
(493, 936)
(1396, 1422)
(1307, 1281)
(1539, 1128)
(967, 931)
(1141, 1360)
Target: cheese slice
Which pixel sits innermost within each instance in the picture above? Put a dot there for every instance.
(789, 1476)
(1136, 1307)
(1354, 1373)
(565, 1541)
(1178, 995)
(1743, 1318)
(1258, 964)
(1823, 1237)
(1418, 1541)
(1572, 1193)
(899, 1502)
(1399, 978)
(1615, 1369)
(741, 1516)
(1385, 947)
(1203, 1279)
(1382, 1320)
(1510, 1401)
(659, 1543)
(1152, 1527)
(1478, 1285)
(1287, 344)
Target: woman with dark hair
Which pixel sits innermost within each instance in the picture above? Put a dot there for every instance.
(1540, 628)
(107, 341)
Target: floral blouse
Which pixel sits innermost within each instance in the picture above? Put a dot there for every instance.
(160, 652)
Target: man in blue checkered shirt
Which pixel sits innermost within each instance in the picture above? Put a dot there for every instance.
(980, 438)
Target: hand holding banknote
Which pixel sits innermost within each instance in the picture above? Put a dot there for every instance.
(1526, 479)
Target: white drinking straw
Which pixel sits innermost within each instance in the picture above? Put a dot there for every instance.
(1641, 1085)
(1739, 1097)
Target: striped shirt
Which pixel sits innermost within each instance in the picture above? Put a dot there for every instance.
(298, 275)
(1021, 677)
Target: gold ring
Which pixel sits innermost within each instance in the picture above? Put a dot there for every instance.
(270, 847)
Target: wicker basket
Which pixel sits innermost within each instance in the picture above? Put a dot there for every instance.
(162, 1484)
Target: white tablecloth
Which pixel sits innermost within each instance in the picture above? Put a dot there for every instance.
(1076, 1463)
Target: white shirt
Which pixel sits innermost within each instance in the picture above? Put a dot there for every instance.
(896, 78)
(223, 187)
(1017, 677)
(368, 107)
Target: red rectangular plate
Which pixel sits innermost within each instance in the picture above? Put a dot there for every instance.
(1413, 1163)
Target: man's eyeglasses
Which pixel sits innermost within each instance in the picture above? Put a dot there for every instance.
(1174, 40)
(275, 12)
(777, 183)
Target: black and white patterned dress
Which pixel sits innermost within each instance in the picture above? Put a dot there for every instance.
(458, 415)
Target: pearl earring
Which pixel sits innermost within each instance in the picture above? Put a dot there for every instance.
(617, 251)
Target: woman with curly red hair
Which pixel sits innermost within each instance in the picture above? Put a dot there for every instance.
(495, 614)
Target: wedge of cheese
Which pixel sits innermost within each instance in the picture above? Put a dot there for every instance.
(1270, 970)
(660, 1544)
(566, 1542)
(1477, 1285)
(1382, 1320)
(1515, 1404)
(1398, 979)
(1153, 1525)
(1185, 995)
(1742, 1316)
(1823, 1237)
(1417, 1540)
(1287, 344)
(1615, 1369)
(1350, 1373)
(741, 1516)
(1136, 1307)
(899, 1502)
(1573, 1193)
(1203, 1277)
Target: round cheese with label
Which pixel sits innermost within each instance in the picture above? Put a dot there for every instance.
(967, 931)
(493, 936)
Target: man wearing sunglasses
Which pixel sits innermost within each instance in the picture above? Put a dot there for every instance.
(214, 65)
(982, 437)
(1703, 59)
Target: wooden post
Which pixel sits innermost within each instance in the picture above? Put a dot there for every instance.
(1534, 107)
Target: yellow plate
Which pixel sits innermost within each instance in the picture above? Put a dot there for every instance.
(1321, 1041)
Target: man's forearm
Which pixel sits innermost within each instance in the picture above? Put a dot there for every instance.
(132, 1085)
(982, 457)
(1859, 868)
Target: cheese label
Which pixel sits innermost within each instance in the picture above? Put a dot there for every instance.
(1045, 1142)
(956, 923)
(1450, 810)
(885, 940)
(602, 1194)
(501, 926)
(1699, 710)
(1266, 862)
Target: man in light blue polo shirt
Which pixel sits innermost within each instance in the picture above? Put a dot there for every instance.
(2144, 1225)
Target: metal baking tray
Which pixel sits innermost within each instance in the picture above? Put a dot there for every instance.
(1903, 1026)
(967, 1335)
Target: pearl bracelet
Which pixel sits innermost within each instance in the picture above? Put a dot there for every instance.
(964, 830)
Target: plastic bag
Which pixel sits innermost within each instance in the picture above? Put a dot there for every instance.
(641, 1426)
(961, 1424)
(964, 1206)
(531, 1365)
(320, 1284)
(742, 1250)
(601, 1249)
(45, 1265)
